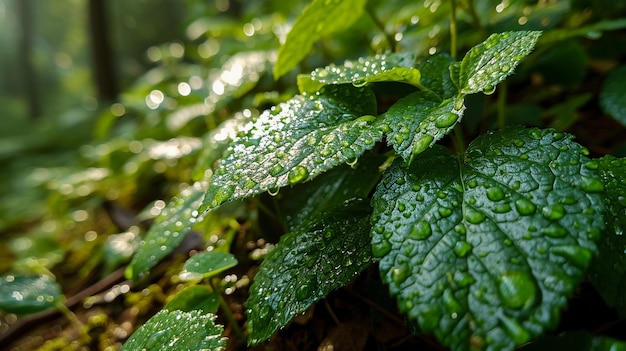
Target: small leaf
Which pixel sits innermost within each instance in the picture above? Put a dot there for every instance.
(168, 231)
(490, 62)
(436, 75)
(390, 67)
(23, 294)
(207, 264)
(177, 330)
(296, 141)
(419, 119)
(321, 17)
(196, 297)
(608, 274)
(612, 95)
(484, 250)
(306, 265)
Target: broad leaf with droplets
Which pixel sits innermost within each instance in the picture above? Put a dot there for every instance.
(490, 62)
(168, 231)
(391, 67)
(608, 274)
(295, 141)
(321, 17)
(436, 75)
(207, 264)
(178, 330)
(195, 297)
(418, 120)
(483, 249)
(306, 265)
(24, 294)
(612, 95)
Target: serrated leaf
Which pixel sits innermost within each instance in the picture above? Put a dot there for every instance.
(484, 249)
(177, 330)
(608, 274)
(436, 75)
(490, 62)
(23, 294)
(321, 17)
(391, 67)
(418, 120)
(612, 95)
(306, 265)
(296, 141)
(196, 297)
(168, 231)
(207, 264)
(309, 200)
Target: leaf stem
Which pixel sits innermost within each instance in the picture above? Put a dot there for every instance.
(80, 327)
(501, 105)
(458, 139)
(227, 312)
(390, 39)
(474, 14)
(453, 32)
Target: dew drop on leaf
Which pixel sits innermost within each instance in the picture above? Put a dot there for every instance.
(592, 185)
(518, 290)
(474, 216)
(297, 175)
(223, 194)
(462, 248)
(275, 170)
(489, 89)
(554, 230)
(446, 120)
(579, 256)
(495, 193)
(525, 207)
(422, 144)
(380, 249)
(420, 231)
(399, 274)
(515, 330)
(553, 212)
(304, 291)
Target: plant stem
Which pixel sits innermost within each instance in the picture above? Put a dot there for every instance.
(390, 39)
(453, 33)
(501, 105)
(80, 327)
(458, 139)
(474, 14)
(227, 312)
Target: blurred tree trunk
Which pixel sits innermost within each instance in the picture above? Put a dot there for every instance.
(103, 65)
(29, 84)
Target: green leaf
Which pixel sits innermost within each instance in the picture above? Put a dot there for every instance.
(197, 297)
(608, 274)
(612, 95)
(575, 341)
(207, 264)
(333, 187)
(490, 62)
(306, 265)
(436, 75)
(177, 330)
(418, 120)
(296, 141)
(483, 249)
(321, 17)
(23, 294)
(380, 68)
(168, 231)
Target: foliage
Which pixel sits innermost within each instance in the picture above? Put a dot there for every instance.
(347, 166)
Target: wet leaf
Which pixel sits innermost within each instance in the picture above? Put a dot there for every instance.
(296, 141)
(608, 273)
(321, 17)
(207, 264)
(177, 330)
(490, 62)
(307, 264)
(23, 294)
(612, 95)
(168, 231)
(575, 341)
(196, 297)
(484, 250)
(418, 120)
(389, 67)
(435, 72)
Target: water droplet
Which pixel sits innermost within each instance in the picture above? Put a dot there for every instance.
(592, 185)
(516, 331)
(525, 207)
(518, 290)
(505, 68)
(502, 208)
(519, 143)
(473, 216)
(445, 211)
(275, 170)
(222, 195)
(472, 183)
(273, 191)
(352, 163)
(401, 207)
(489, 89)
(422, 144)
(554, 212)
(400, 181)
(446, 120)
(381, 248)
(452, 305)
(495, 193)
(462, 248)
(249, 184)
(420, 231)
(578, 256)
(305, 291)
(297, 175)
(400, 273)
(554, 230)
(460, 228)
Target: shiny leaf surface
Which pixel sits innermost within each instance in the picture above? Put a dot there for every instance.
(196, 297)
(612, 95)
(484, 250)
(306, 265)
(207, 264)
(23, 294)
(296, 141)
